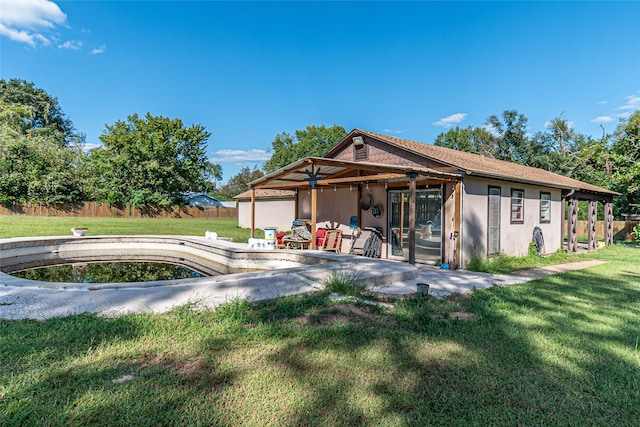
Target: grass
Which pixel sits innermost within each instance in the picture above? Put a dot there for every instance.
(564, 350)
(504, 264)
(22, 226)
(558, 351)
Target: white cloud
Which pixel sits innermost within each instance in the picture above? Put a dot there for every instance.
(90, 146)
(602, 102)
(633, 103)
(23, 20)
(450, 120)
(491, 129)
(71, 44)
(392, 131)
(99, 50)
(602, 119)
(240, 156)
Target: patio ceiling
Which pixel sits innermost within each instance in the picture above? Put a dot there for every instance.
(340, 173)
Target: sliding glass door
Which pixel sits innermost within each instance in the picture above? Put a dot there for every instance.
(428, 225)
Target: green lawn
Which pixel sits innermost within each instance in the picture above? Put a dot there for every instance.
(559, 351)
(21, 226)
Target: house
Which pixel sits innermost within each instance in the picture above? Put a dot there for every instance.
(201, 199)
(433, 204)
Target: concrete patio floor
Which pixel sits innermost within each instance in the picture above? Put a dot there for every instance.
(384, 278)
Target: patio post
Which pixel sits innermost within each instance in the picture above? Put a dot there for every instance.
(412, 216)
(608, 223)
(314, 213)
(572, 237)
(456, 224)
(253, 213)
(592, 220)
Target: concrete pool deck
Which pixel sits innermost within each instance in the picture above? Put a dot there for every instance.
(40, 300)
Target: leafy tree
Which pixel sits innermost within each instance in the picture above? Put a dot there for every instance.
(502, 138)
(561, 149)
(311, 141)
(510, 139)
(42, 116)
(35, 163)
(625, 153)
(150, 160)
(472, 140)
(239, 183)
(37, 169)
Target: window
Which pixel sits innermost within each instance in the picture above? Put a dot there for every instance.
(517, 206)
(545, 207)
(493, 241)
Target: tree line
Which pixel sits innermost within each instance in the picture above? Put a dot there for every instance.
(612, 161)
(143, 160)
(154, 159)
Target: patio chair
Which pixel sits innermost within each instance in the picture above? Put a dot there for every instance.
(367, 243)
(329, 240)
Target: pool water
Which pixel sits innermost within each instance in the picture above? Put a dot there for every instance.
(109, 272)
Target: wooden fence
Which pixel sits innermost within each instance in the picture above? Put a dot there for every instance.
(91, 209)
(621, 229)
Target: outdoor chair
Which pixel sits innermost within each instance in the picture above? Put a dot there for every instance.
(367, 243)
(329, 240)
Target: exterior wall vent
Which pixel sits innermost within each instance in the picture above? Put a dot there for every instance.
(360, 153)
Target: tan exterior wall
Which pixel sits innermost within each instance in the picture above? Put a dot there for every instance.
(277, 213)
(514, 237)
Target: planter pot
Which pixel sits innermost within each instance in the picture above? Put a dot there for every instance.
(79, 232)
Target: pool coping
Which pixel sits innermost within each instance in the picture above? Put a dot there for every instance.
(315, 266)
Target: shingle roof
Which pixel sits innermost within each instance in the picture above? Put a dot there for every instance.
(474, 164)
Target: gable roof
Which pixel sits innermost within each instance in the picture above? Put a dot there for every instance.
(475, 164)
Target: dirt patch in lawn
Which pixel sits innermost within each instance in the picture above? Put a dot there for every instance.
(342, 314)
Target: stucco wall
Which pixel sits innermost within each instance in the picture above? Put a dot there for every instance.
(514, 237)
(269, 213)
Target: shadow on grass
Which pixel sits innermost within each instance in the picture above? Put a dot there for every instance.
(554, 351)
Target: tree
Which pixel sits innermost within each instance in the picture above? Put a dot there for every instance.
(239, 183)
(150, 160)
(510, 139)
(35, 162)
(626, 164)
(502, 138)
(469, 139)
(42, 116)
(37, 169)
(561, 149)
(311, 141)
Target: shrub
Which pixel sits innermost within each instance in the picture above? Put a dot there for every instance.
(636, 232)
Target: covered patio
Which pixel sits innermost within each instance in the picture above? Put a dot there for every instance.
(350, 185)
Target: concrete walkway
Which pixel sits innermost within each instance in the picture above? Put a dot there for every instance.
(447, 282)
(43, 303)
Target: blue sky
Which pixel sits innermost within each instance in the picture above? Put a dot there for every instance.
(250, 70)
